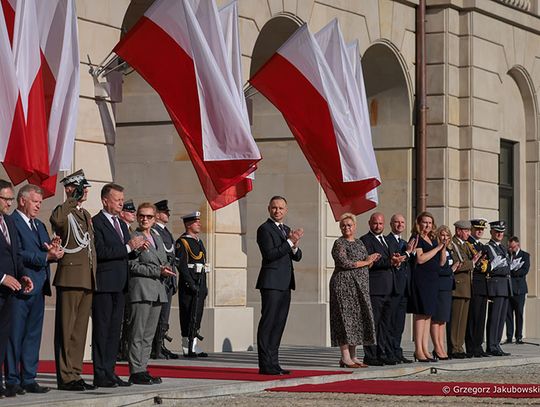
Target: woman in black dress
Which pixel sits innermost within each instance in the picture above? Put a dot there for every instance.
(425, 283)
(351, 315)
(444, 298)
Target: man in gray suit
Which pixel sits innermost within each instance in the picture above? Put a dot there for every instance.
(147, 294)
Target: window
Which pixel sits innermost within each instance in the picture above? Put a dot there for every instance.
(506, 186)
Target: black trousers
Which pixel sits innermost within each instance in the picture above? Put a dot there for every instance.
(6, 304)
(274, 312)
(496, 317)
(107, 314)
(476, 322)
(381, 305)
(398, 310)
(165, 309)
(516, 303)
(186, 304)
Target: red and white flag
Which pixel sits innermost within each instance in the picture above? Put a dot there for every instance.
(12, 127)
(300, 83)
(27, 59)
(186, 66)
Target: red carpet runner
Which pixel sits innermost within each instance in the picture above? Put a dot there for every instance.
(418, 388)
(199, 372)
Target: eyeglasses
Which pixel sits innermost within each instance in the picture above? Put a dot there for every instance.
(143, 216)
(7, 199)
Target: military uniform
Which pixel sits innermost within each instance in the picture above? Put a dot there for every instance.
(499, 288)
(74, 281)
(476, 322)
(192, 289)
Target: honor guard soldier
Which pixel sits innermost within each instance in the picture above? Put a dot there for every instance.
(476, 320)
(191, 264)
(499, 287)
(159, 351)
(75, 280)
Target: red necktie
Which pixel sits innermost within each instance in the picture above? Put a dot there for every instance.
(117, 227)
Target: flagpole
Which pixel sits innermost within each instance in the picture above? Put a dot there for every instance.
(421, 108)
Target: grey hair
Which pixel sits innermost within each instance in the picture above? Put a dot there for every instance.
(25, 191)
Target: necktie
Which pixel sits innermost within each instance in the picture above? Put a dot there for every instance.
(381, 239)
(33, 226)
(117, 227)
(283, 232)
(4, 228)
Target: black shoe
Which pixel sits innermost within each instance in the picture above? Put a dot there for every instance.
(168, 354)
(494, 352)
(519, 342)
(154, 379)
(2, 392)
(140, 378)
(74, 385)
(13, 390)
(373, 362)
(459, 355)
(120, 382)
(202, 355)
(484, 354)
(283, 371)
(503, 353)
(87, 386)
(105, 383)
(271, 372)
(36, 388)
(436, 356)
(191, 355)
(389, 361)
(403, 359)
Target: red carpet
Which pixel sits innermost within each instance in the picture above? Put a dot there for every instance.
(417, 388)
(199, 372)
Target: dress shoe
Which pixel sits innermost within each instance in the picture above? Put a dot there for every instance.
(87, 386)
(373, 362)
(284, 371)
(519, 342)
(389, 361)
(140, 378)
(503, 353)
(2, 392)
(353, 365)
(119, 381)
(459, 355)
(13, 390)
(74, 385)
(403, 359)
(155, 379)
(105, 383)
(485, 354)
(494, 352)
(272, 372)
(436, 356)
(169, 354)
(36, 388)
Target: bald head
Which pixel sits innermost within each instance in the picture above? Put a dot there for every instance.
(376, 223)
(397, 223)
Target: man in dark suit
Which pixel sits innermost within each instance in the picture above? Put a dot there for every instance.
(37, 252)
(279, 247)
(74, 281)
(159, 350)
(381, 287)
(113, 246)
(12, 274)
(499, 286)
(402, 284)
(520, 262)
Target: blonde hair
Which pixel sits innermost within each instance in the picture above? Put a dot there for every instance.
(347, 215)
(443, 228)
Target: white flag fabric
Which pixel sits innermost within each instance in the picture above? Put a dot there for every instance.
(57, 23)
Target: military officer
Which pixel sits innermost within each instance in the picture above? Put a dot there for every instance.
(191, 264)
(74, 281)
(159, 351)
(499, 287)
(476, 320)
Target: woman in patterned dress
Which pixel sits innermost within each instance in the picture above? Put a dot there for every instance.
(351, 316)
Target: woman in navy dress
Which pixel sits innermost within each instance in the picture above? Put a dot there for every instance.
(425, 283)
(444, 298)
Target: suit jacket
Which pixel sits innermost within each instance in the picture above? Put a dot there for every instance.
(10, 259)
(145, 281)
(75, 270)
(381, 278)
(463, 275)
(277, 271)
(401, 274)
(34, 253)
(499, 283)
(519, 282)
(112, 255)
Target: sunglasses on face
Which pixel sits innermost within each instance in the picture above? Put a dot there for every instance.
(143, 216)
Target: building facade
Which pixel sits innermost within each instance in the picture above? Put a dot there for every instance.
(483, 76)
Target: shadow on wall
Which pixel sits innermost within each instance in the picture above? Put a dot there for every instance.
(227, 346)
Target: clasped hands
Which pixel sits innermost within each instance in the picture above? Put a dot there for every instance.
(55, 251)
(295, 236)
(139, 242)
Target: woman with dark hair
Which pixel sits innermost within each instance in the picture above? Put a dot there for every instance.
(351, 315)
(444, 297)
(425, 283)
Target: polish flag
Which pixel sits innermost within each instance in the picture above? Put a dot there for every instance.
(12, 127)
(57, 24)
(187, 67)
(322, 116)
(27, 57)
